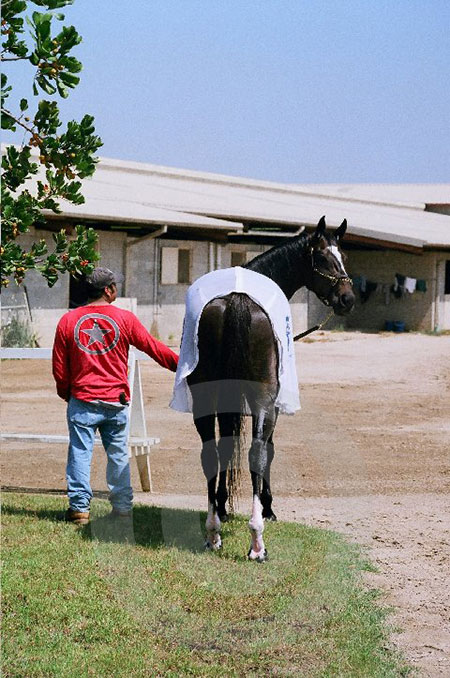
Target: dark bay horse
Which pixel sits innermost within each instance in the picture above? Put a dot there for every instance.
(237, 372)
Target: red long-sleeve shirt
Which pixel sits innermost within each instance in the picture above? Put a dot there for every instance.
(90, 352)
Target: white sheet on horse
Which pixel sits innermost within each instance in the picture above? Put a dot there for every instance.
(271, 298)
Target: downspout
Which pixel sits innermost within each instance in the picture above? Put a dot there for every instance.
(437, 310)
(433, 294)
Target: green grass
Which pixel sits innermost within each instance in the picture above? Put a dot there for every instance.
(110, 601)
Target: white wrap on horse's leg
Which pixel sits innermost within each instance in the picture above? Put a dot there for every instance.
(256, 527)
(213, 525)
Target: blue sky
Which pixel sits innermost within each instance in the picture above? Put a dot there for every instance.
(284, 90)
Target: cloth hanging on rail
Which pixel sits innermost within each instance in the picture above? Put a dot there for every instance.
(421, 286)
(398, 288)
(410, 284)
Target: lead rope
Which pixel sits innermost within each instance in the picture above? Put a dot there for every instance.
(313, 329)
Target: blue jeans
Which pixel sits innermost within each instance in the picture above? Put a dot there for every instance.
(84, 418)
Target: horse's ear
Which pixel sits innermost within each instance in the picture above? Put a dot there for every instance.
(340, 232)
(318, 233)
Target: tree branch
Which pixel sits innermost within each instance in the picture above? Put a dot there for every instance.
(16, 120)
(13, 58)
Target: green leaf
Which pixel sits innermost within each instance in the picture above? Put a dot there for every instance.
(45, 84)
(43, 29)
(69, 79)
(23, 104)
(8, 123)
(62, 90)
(71, 64)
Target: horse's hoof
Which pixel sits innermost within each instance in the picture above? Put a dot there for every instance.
(258, 558)
(212, 546)
(271, 517)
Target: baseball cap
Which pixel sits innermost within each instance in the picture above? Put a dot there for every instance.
(103, 277)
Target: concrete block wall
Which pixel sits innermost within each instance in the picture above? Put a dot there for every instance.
(415, 310)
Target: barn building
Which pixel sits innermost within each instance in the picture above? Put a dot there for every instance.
(164, 227)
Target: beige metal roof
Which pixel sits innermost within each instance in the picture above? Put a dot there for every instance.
(414, 195)
(136, 187)
(149, 194)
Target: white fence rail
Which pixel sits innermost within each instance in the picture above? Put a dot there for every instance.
(139, 443)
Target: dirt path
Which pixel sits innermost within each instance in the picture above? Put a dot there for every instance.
(368, 455)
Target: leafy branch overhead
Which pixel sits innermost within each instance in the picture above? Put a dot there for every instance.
(60, 158)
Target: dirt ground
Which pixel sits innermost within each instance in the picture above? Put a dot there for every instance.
(367, 455)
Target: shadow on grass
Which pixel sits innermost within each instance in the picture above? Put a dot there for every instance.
(150, 527)
(42, 514)
(62, 492)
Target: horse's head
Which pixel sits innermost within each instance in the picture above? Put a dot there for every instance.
(328, 278)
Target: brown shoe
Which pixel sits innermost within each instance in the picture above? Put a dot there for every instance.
(77, 517)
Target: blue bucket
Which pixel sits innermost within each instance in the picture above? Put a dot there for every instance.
(399, 326)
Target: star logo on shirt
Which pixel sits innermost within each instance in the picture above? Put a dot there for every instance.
(96, 333)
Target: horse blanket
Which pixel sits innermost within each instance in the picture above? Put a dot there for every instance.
(267, 294)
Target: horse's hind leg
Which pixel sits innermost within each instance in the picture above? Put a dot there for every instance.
(263, 427)
(206, 428)
(225, 450)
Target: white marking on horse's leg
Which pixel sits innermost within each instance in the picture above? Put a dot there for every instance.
(213, 525)
(256, 527)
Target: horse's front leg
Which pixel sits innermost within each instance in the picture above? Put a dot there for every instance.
(257, 550)
(266, 494)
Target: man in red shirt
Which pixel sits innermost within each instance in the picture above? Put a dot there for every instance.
(90, 365)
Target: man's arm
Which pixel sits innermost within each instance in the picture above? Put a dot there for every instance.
(156, 349)
(60, 364)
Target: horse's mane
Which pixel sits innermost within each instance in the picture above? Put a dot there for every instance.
(282, 259)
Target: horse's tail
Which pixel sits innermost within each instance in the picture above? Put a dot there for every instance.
(235, 362)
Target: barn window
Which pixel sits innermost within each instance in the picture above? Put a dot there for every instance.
(175, 266)
(447, 277)
(184, 266)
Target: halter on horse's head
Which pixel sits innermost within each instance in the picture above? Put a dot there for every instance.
(328, 278)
